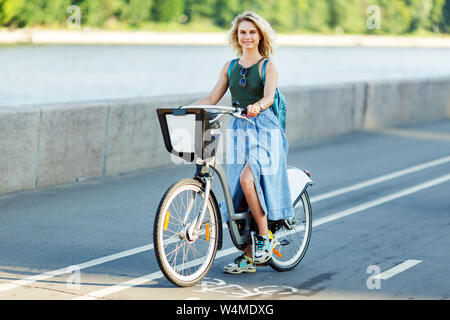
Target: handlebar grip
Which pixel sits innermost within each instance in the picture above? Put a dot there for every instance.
(243, 110)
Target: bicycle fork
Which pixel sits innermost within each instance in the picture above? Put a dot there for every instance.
(193, 229)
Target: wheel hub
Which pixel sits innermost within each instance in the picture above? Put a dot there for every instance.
(191, 233)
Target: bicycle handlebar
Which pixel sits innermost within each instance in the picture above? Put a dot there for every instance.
(235, 111)
(218, 108)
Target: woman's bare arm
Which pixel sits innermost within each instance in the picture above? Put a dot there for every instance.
(269, 91)
(270, 86)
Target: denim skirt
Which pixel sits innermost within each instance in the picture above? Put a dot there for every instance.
(263, 147)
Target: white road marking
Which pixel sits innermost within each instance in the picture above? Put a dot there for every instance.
(84, 265)
(397, 269)
(427, 135)
(381, 179)
(87, 264)
(122, 286)
(126, 285)
(381, 200)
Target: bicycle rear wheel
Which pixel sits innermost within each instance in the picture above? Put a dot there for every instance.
(293, 241)
(183, 256)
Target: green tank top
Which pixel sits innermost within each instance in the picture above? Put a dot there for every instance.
(254, 89)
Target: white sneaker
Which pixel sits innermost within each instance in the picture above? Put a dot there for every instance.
(263, 248)
(241, 264)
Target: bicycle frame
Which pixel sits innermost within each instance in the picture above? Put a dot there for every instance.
(242, 237)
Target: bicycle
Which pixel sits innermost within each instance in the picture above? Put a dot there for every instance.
(188, 228)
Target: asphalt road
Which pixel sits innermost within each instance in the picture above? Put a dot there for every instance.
(93, 239)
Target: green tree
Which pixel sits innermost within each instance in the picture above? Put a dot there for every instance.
(395, 17)
(279, 14)
(166, 11)
(253, 5)
(317, 16)
(419, 12)
(348, 15)
(136, 11)
(444, 22)
(31, 13)
(226, 11)
(299, 9)
(436, 15)
(196, 10)
(97, 12)
(9, 10)
(55, 11)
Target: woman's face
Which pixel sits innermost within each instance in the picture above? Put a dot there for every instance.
(248, 35)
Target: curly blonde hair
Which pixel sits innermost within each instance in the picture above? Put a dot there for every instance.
(266, 44)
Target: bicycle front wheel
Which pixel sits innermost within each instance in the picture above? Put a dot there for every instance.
(185, 255)
(293, 242)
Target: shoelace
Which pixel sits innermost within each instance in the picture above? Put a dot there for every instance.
(239, 259)
(260, 243)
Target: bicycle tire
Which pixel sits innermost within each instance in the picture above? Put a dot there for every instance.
(165, 225)
(299, 248)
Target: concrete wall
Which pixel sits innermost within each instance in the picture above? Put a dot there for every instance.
(44, 145)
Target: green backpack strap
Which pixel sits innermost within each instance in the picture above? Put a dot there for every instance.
(279, 102)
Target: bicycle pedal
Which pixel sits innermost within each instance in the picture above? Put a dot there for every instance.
(262, 264)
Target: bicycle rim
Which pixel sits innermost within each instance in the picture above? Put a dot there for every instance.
(183, 258)
(292, 244)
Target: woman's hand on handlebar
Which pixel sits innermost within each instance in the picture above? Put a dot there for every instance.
(253, 110)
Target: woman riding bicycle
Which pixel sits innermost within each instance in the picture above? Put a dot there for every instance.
(259, 181)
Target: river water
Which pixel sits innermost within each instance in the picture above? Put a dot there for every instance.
(58, 73)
